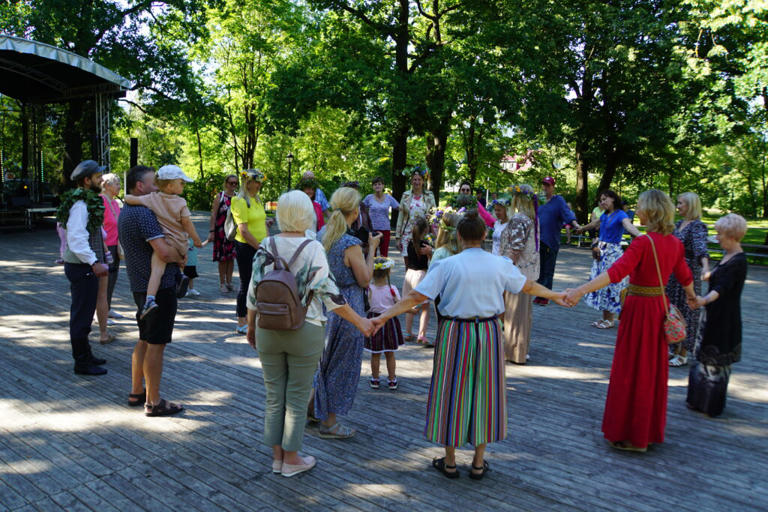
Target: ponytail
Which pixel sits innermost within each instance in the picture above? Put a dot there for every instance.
(343, 201)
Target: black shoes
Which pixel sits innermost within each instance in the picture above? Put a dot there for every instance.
(97, 361)
(89, 369)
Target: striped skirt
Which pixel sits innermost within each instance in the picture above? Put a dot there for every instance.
(467, 400)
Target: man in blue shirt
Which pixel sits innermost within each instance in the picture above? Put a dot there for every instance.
(552, 215)
(140, 236)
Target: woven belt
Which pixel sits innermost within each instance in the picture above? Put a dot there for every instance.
(644, 291)
(475, 320)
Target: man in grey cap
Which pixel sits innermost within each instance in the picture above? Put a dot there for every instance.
(82, 212)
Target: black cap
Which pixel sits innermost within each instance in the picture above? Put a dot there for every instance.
(85, 169)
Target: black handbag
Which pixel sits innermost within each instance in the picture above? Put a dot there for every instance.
(707, 387)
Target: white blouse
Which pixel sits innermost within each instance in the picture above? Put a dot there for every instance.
(472, 283)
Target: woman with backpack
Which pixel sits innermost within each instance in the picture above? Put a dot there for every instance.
(250, 218)
(289, 357)
(223, 249)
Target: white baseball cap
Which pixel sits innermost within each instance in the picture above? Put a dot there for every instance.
(172, 172)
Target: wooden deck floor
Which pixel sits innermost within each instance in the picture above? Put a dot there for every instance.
(70, 443)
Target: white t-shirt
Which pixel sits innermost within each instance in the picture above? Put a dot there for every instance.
(472, 283)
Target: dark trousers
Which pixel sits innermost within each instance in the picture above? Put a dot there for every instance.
(548, 258)
(114, 268)
(84, 288)
(245, 254)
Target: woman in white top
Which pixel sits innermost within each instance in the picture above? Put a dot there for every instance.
(467, 401)
(289, 358)
(502, 219)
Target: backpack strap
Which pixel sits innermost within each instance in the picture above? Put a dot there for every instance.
(279, 262)
(298, 251)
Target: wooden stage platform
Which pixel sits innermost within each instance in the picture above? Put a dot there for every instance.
(70, 443)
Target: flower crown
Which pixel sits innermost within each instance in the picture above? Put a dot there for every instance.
(422, 171)
(382, 263)
(436, 215)
(501, 202)
(525, 190)
(254, 174)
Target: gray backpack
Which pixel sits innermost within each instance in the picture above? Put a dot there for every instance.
(277, 296)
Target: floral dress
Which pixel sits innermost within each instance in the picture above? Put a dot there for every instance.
(339, 372)
(694, 238)
(223, 249)
(410, 208)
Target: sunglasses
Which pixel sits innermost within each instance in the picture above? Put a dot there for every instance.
(231, 183)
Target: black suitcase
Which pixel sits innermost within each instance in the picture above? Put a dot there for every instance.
(707, 386)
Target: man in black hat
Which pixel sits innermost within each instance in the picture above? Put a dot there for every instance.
(82, 212)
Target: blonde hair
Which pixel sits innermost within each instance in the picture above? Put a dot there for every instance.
(446, 235)
(295, 212)
(522, 202)
(250, 174)
(694, 205)
(344, 201)
(732, 225)
(658, 210)
(163, 184)
(111, 179)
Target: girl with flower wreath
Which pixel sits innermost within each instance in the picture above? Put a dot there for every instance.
(419, 253)
(414, 203)
(381, 296)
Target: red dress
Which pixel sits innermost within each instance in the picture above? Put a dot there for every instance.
(636, 405)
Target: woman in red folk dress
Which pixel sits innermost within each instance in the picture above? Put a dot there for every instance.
(636, 405)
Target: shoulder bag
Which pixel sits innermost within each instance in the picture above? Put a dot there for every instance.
(674, 323)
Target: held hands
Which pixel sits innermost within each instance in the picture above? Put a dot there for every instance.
(560, 298)
(378, 323)
(100, 269)
(696, 302)
(572, 296)
(366, 327)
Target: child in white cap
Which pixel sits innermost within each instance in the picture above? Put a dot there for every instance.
(173, 215)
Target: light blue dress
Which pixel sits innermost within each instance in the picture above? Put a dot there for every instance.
(339, 372)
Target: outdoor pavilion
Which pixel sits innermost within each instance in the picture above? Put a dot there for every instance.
(37, 74)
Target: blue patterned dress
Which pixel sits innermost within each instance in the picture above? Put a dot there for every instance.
(339, 372)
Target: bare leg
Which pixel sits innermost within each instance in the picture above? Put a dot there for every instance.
(223, 274)
(329, 421)
(137, 367)
(375, 364)
(230, 270)
(102, 308)
(277, 452)
(158, 269)
(153, 372)
(608, 316)
(390, 357)
(409, 324)
(450, 458)
(424, 321)
(478, 459)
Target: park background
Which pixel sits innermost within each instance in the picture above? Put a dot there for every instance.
(623, 94)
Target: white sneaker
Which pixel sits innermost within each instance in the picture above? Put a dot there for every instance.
(110, 321)
(223, 288)
(192, 293)
(114, 314)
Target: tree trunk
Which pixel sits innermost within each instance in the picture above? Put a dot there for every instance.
(582, 181)
(608, 174)
(400, 135)
(24, 141)
(470, 147)
(200, 152)
(436, 145)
